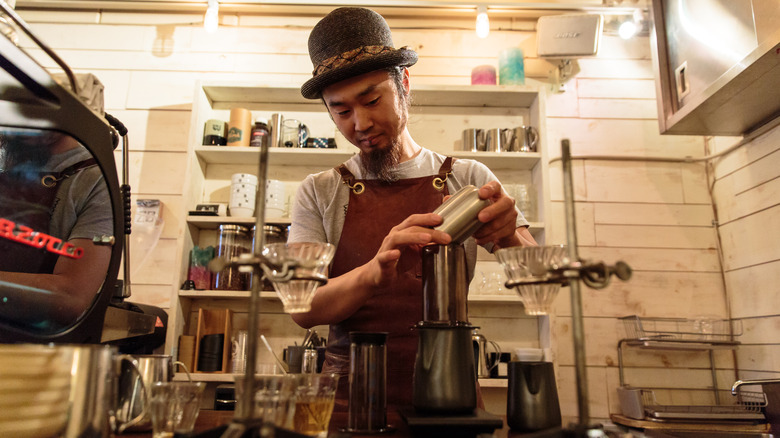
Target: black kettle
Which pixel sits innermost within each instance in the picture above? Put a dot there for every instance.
(532, 397)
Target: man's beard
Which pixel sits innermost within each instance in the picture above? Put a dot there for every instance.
(382, 163)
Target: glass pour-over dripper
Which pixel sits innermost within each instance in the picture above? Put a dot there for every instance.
(310, 260)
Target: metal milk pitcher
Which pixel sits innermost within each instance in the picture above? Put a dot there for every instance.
(481, 354)
(137, 374)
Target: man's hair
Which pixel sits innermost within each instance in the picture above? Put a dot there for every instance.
(397, 75)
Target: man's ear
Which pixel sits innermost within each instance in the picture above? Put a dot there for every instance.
(406, 81)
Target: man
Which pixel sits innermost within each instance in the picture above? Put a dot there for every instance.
(377, 206)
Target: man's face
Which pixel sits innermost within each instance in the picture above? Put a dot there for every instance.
(368, 112)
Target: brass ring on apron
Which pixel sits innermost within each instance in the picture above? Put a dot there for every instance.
(49, 181)
(438, 183)
(358, 188)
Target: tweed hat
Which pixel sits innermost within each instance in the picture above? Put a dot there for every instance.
(349, 42)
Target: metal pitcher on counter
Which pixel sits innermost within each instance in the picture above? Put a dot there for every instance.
(137, 374)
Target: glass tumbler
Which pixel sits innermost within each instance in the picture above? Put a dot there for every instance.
(233, 241)
(367, 382)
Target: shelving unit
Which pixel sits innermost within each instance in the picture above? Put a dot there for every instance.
(437, 119)
(678, 334)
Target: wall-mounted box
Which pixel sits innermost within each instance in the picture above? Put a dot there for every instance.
(717, 65)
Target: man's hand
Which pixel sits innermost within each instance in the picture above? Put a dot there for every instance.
(499, 218)
(401, 247)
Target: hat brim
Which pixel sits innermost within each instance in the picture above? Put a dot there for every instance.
(312, 89)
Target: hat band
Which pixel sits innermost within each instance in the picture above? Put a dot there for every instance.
(349, 57)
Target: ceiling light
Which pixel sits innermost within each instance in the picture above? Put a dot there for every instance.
(483, 23)
(211, 19)
(628, 29)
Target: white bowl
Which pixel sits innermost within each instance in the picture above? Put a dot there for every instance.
(248, 177)
(242, 211)
(529, 354)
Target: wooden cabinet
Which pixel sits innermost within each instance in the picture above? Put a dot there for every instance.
(437, 119)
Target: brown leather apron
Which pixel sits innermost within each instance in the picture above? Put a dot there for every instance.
(374, 208)
(28, 199)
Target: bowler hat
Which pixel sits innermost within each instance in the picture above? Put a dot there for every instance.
(347, 43)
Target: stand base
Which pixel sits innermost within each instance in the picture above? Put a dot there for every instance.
(454, 426)
(248, 430)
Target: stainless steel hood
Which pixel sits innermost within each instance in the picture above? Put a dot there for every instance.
(717, 65)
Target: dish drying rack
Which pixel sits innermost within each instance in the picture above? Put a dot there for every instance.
(747, 405)
(703, 334)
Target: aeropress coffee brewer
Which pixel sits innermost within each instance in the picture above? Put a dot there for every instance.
(445, 387)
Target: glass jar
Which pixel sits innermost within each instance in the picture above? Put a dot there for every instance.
(233, 241)
(273, 234)
(260, 134)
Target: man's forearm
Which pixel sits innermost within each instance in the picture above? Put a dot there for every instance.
(338, 299)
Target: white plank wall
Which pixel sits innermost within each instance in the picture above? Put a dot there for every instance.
(746, 184)
(655, 216)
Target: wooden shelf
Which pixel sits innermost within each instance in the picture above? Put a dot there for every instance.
(477, 298)
(503, 160)
(276, 156)
(224, 294)
(207, 377)
(493, 383)
(213, 222)
(334, 157)
(244, 295)
(230, 378)
(493, 96)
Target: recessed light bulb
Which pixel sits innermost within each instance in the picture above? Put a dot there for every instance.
(211, 19)
(627, 29)
(483, 22)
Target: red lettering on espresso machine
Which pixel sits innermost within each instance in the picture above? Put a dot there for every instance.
(36, 239)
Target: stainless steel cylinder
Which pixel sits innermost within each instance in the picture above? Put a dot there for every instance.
(460, 214)
(445, 284)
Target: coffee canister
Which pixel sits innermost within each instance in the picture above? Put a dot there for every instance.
(214, 133)
(460, 214)
(239, 127)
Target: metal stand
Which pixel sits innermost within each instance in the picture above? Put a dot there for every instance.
(595, 275)
(243, 420)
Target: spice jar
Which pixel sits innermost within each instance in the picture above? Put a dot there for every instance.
(233, 241)
(260, 133)
(273, 234)
(199, 272)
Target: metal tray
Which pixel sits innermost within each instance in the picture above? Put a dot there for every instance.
(747, 405)
(681, 329)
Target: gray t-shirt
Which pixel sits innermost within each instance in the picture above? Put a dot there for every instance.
(82, 207)
(321, 201)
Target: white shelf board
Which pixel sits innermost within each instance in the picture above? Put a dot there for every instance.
(207, 377)
(493, 383)
(503, 160)
(496, 96)
(276, 156)
(505, 298)
(224, 294)
(213, 222)
(243, 295)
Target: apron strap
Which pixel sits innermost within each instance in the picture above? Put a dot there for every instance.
(349, 179)
(444, 172)
(51, 179)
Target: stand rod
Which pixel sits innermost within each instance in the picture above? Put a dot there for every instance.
(245, 411)
(578, 332)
